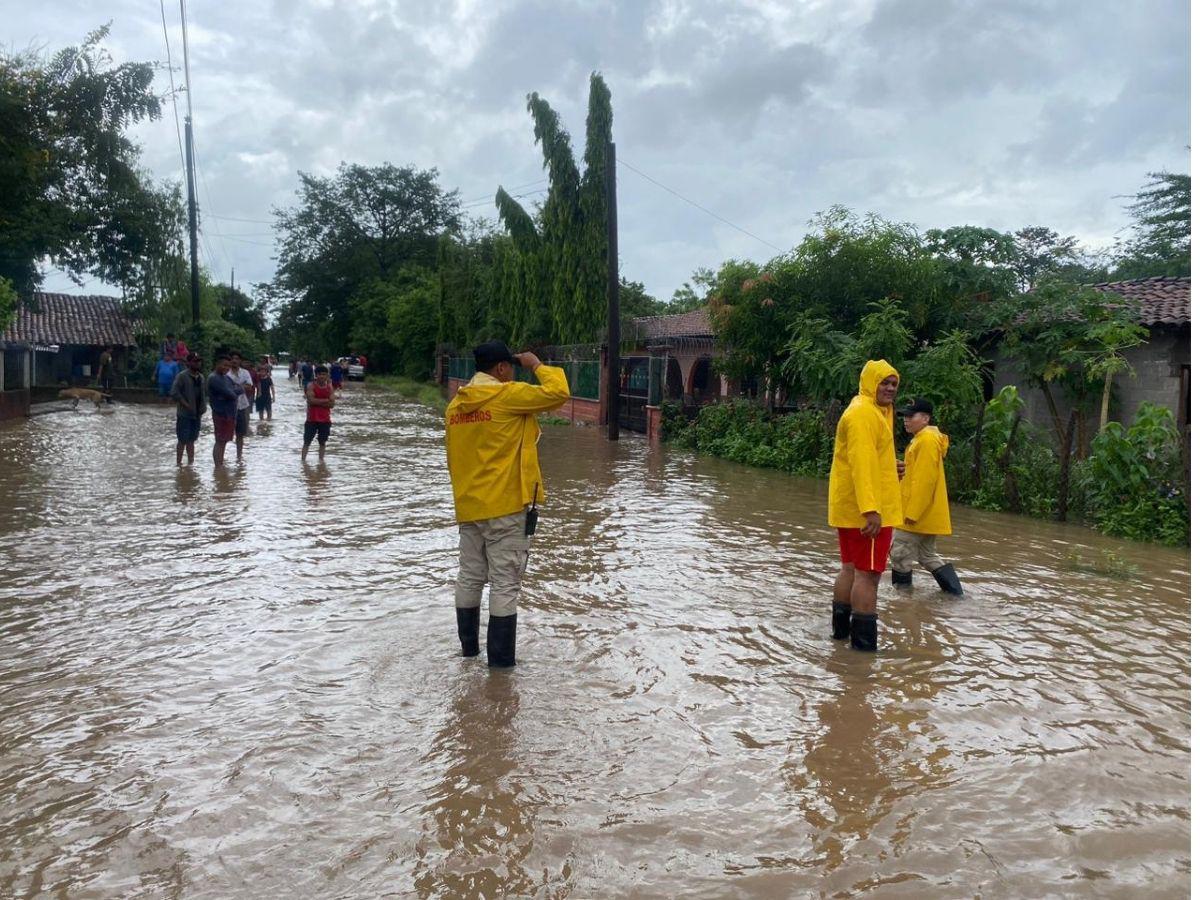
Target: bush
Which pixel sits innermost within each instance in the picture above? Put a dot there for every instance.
(743, 432)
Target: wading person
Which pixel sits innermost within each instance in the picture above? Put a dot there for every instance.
(244, 382)
(491, 450)
(864, 501)
(318, 421)
(924, 500)
(104, 374)
(189, 395)
(222, 397)
(165, 371)
(266, 390)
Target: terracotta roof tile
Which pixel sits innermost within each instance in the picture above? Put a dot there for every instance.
(69, 319)
(689, 324)
(1165, 299)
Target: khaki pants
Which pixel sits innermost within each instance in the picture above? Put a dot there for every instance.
(495, 552)
(909, 548)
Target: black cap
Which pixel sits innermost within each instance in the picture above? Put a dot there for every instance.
(918, 404)
(490, 353)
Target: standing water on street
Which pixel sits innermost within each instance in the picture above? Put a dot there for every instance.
(247, 682)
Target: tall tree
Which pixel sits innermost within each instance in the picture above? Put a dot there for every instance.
(364, 224)
(563, 251)
(1162, 216)
(71, 190)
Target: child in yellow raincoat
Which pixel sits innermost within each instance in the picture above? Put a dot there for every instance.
(926, 506)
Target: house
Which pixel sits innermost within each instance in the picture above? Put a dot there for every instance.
(687, 342)
(1161, 366)
(58, 338)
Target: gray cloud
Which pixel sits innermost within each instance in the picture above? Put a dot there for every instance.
(938, 113)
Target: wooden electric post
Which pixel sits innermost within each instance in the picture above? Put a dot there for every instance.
(614, 293)
(191, 189)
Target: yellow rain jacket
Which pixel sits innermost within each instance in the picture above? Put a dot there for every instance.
(923, 488)
(863, 478)
(491, 442)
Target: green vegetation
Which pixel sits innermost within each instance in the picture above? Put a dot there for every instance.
(423, 392)
(797, 330)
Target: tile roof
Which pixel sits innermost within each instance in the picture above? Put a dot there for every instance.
(689, 324)
(1165, 299)
(69, 319)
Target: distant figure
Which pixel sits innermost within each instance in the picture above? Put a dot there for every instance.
(293, 368)
(306, 375)
(491, 450)
(104, 373)
(362, 361)
(223, 398)
(165, 371)
(244, 381)
(189, 394)
(181, 351)
(317, 422)
(864, 501)
(335, 375)
(925, 502)
(266, 390)
(168, 346)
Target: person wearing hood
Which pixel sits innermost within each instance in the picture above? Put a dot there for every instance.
(864, 501)
(926, 505)
(491, 451)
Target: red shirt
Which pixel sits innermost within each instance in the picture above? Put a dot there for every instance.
(320, 413)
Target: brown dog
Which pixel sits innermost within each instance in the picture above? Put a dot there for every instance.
(78, 394)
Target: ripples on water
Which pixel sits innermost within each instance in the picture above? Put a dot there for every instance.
(246, 684)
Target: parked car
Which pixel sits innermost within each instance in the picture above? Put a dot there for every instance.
(354, 371)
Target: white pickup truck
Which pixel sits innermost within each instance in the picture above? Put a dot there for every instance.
(354, 371)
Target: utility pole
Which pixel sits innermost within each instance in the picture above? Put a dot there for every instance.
(231, 281)
(191, 188)
(191, 168)
(614, 294)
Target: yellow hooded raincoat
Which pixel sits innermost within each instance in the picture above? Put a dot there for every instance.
(863, 478)
(923, 489)
(491, 442)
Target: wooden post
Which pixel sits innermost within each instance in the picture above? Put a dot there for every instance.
(614, 294)
(191, 189)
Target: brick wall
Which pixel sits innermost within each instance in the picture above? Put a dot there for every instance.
(653, 424)
(14, 404)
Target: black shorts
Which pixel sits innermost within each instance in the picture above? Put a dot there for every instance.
(320, 429)
(187, 429)
(242, 426)
(263, 402)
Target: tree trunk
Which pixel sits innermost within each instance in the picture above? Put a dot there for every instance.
(977, 456)
(1108, 380)
(1064, 472)
(1011, 490)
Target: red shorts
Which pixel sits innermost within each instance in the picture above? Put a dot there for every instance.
(864, 553)
(223, 427)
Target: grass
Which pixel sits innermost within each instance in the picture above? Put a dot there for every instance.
(553, 420)
(423, 392)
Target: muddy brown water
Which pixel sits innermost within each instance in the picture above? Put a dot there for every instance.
(247, 684)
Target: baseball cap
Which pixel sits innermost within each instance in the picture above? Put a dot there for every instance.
(490, 353)
(918, 405)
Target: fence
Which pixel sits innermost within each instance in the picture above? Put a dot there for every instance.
(583, 375)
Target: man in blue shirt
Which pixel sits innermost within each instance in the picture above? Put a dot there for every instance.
(223, 400)
(165, 371)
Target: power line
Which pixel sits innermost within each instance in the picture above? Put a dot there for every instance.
(487, 197)
(236, 219)
(171, 74)
(699, 207)
(514, 196)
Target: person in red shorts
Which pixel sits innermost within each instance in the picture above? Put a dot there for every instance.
(317, 423)
(864, 501)
(222, 399)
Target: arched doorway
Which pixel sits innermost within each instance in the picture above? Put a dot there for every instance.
(702, 382)
(674, 389)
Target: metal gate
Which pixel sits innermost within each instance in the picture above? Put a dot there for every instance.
(639, 382)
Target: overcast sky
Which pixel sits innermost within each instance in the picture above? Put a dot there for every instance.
(1001, 113)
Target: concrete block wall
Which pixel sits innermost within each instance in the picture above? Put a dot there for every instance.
(14, 404)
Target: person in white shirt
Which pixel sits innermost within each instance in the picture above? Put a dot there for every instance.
(244, 382)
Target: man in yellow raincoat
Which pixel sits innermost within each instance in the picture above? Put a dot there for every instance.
(864, 501)
(491, 450)
(926, 505)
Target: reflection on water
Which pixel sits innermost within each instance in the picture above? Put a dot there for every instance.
(245, 681)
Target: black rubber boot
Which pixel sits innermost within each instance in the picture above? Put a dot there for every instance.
(468, 629)
(864, 631)
(502, 641)
(947, 580)
(841, 621)
(901, 579)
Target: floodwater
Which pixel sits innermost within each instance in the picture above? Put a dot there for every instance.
(248, 684)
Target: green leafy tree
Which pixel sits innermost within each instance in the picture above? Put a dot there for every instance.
(554, 275)
(71, 190)
(1162, 243)
(364, 224)
(8, 303)
(694, 293)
